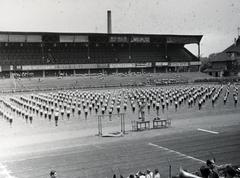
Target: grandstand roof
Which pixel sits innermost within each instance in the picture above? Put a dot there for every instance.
(154, 38)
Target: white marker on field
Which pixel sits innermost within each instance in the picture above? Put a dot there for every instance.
(176, 152)
(208, 131)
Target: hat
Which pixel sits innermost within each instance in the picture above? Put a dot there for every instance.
(148, 171)
(52, 172)
(210, 162)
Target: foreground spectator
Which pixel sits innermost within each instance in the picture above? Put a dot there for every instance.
(156, 174)
(53, 174)
(230, 172)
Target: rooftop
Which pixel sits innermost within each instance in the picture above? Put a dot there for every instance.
(234, 48)
(169, 38)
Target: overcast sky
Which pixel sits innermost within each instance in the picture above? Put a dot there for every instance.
(216, 20)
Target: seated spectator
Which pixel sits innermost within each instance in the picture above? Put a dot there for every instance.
(149, 174)
(131, 176)
(230, 172)
(204, 171)
(156, 174)
(141, 175)
(212, 168)
(53, 174)
(210, 164)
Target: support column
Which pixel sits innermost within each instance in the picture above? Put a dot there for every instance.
(74, 72)
(102, 71)
(129, 70)
(166, 56)
(116, 70)
(166, 52)
(199, 51)
(142, 70)
(89, 72)
(88, 51)
(44, 75)
(199, 56)
(129, 50)
(154, 70)
(11, 74)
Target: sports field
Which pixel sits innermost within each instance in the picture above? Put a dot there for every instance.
(73, 149)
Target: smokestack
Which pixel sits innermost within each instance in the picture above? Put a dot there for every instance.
(109, 22)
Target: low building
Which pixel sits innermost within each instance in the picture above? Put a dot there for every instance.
(225, 63)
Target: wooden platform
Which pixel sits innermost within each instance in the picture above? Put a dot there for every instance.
(157, 123)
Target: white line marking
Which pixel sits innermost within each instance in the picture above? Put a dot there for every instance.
(209, 131)
(176, 152)
(4, 172)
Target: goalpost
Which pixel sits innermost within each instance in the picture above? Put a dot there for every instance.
(103, 119)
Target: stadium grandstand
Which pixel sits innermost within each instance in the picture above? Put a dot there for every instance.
(50, 54)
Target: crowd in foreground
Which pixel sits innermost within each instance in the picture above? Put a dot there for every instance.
(210, 170)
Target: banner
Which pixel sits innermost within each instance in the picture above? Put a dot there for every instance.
(34, 38)
(66, 38)
(178, 64)
(182, 39)
(118, 39)
(143, 65)
(5, 68)
(47, 67)
(122, 65)
(88, 66)
(140, 39)
(18, 67)
(81, 38)
(161, 64)
(17, 38)
(3, 38)
(101, 66)
(26, 67)
(65, 66)
(195, 63)
(38, 67)
(84, 66)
